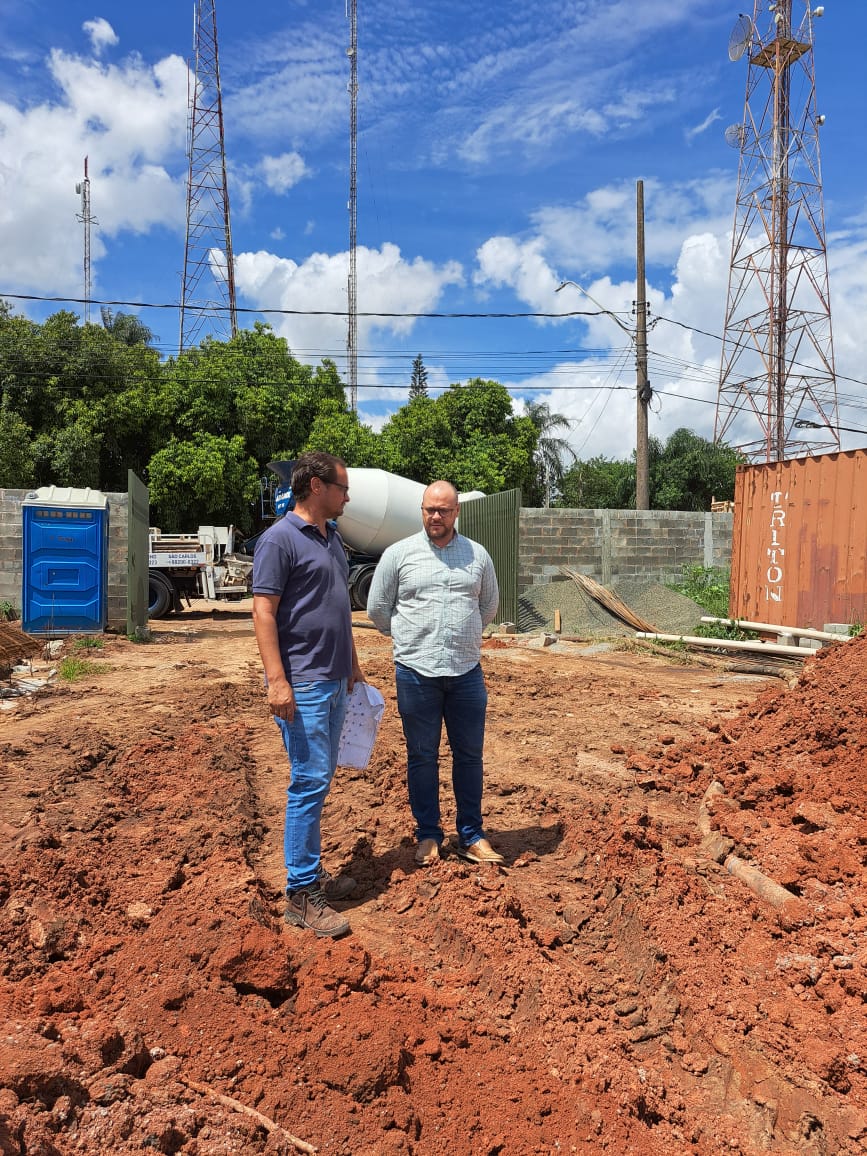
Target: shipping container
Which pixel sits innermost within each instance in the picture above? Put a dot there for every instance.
(799, 541)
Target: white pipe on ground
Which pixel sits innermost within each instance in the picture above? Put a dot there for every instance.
(797, 631)
(729, 644)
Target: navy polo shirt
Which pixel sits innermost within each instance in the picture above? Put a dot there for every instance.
(314, 617)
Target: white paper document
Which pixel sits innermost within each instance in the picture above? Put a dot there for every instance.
(364, 709)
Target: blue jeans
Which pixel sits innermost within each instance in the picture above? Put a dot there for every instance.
(424, 704)
(311, 740)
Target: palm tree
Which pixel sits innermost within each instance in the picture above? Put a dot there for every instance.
(126, 327)
(550, 451)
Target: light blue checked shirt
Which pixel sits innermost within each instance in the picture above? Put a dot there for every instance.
(434, 602)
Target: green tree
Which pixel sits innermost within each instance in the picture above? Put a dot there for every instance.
(550, 452)
(206, 479)
(599, 483)
(253, 386)
(88, 400)
(688, 471)
(418, 381)
(16, 452)
(337, 430)
(126, 327)
(468, 435)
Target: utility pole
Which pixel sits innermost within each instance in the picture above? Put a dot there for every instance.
(642, 385)
(643, 391)
(352, 290)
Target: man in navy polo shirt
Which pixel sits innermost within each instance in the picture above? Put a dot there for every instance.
(303, 622)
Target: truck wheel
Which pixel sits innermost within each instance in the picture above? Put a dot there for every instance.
(161, 595)
(360, 588)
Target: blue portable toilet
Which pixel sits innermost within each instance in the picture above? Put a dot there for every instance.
(65, 571)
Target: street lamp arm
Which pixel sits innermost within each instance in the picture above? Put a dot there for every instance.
(613, 316)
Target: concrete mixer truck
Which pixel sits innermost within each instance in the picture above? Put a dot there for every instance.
(211, 563)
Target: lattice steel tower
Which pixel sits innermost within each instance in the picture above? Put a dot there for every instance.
(352, 283)
(208, 292)
(777, 359)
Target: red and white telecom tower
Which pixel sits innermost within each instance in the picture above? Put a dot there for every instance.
(777, 393)
(208, 290)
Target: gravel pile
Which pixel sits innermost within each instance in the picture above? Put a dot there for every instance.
(581, 615)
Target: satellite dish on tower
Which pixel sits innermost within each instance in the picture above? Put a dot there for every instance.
(735, 135)
(742, 35)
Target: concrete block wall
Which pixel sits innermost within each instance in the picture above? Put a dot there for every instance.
(12, 560)
(617, 544)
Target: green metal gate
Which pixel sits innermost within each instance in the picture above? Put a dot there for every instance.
(492, 521)
(138, 515)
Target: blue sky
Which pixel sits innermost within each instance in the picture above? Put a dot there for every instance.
(498, 151)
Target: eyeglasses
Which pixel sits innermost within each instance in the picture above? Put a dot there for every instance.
(337, 485)
(443, 511)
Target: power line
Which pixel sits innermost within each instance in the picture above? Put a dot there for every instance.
(296, 312)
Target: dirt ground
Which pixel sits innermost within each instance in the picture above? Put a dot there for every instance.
(663, 965)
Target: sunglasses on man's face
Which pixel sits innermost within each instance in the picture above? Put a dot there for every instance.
(443, 511)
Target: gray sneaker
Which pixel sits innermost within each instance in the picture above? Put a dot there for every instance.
(334, 888)
(308, 907)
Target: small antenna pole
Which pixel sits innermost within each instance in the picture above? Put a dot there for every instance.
(87, 219)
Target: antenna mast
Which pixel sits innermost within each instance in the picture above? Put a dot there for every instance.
(352, 290)
(777, 358)
(208, 289)
(83, 187)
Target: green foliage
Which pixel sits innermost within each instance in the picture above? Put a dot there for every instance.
(337, 430)
(467, 435)
(549, 454)
(88, 642)
(78, 402)
(732, 631)
(418, 381)
(81, 405)
(141, 635)
(598, 484)
(855, 628)
(71, 669)
(8, 611)
(17, 461)
(688, 472)
(206, 480)
(708, 586)
(126, 327)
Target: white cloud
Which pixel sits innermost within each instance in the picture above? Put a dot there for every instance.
(387, 283)
(504, 261)
(598, 232)
(130, 122)
(281, 173)
(101, 34)
(712, 117)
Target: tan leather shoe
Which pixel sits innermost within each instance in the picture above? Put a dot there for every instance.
(479, 852)
(427, 852)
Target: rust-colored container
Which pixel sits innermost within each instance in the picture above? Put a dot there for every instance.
(799, 541)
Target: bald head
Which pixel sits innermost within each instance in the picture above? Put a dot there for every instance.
(439, 511)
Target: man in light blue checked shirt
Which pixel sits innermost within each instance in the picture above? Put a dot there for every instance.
(434, 593)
